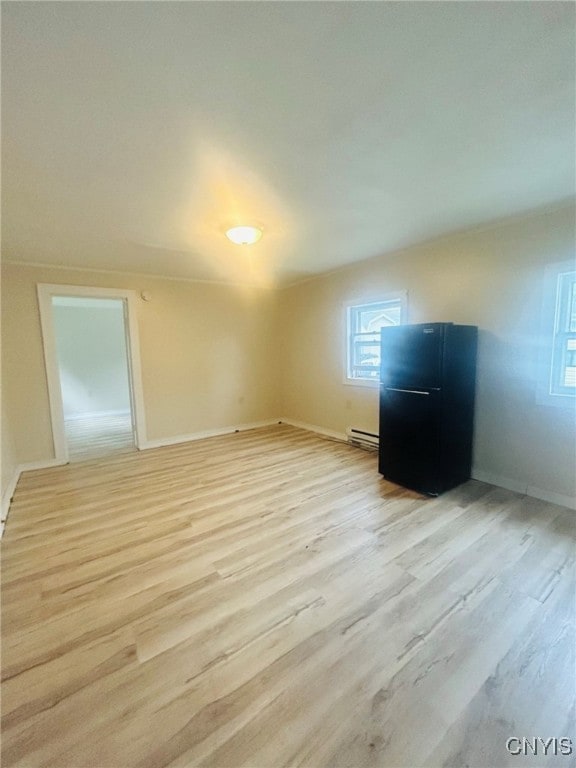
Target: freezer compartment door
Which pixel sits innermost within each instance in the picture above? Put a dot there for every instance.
(410, 438)
(411, 356)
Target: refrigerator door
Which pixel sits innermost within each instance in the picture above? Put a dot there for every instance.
(410, 438)
(411, 356)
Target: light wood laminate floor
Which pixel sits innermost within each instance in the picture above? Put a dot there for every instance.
(266, 599)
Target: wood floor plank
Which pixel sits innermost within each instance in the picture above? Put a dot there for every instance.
(539, 666)
(265, 599)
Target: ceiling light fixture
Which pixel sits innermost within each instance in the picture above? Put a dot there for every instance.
(244, 235)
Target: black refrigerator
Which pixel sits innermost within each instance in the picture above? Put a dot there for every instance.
(427, 383)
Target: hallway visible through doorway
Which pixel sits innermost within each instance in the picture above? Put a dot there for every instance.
(93, 369)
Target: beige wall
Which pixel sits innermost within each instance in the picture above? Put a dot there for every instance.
(8, 461)
(209, 355)
(492, 278)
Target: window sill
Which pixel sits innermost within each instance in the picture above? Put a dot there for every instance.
(555, 400)
(369, 383)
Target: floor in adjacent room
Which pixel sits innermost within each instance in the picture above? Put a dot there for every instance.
(266, 599)
(89, 437)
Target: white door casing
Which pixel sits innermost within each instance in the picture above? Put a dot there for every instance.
(45, 294)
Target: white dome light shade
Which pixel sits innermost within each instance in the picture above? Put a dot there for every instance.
(244, 235)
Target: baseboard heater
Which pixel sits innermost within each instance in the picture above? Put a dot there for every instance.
(361, 438)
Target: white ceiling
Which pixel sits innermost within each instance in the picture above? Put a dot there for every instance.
(134, 133)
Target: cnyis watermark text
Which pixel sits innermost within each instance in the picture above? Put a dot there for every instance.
(536, 745)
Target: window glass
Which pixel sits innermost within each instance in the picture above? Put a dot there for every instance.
(563, 373)
(364, 322)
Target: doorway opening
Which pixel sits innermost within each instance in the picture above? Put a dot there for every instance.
(92, 365)
(93, 370)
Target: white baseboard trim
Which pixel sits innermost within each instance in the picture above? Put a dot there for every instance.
(164, 441)
(7, 496)
(30, 466)
(551, 496)
(9, 492)
(528, 490)
(315, 428)
(499, 480)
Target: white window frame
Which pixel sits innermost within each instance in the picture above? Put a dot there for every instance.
(398, 296)
(562, 333)
(551, 320)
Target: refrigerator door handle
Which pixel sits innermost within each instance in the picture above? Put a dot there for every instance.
(410, 391)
